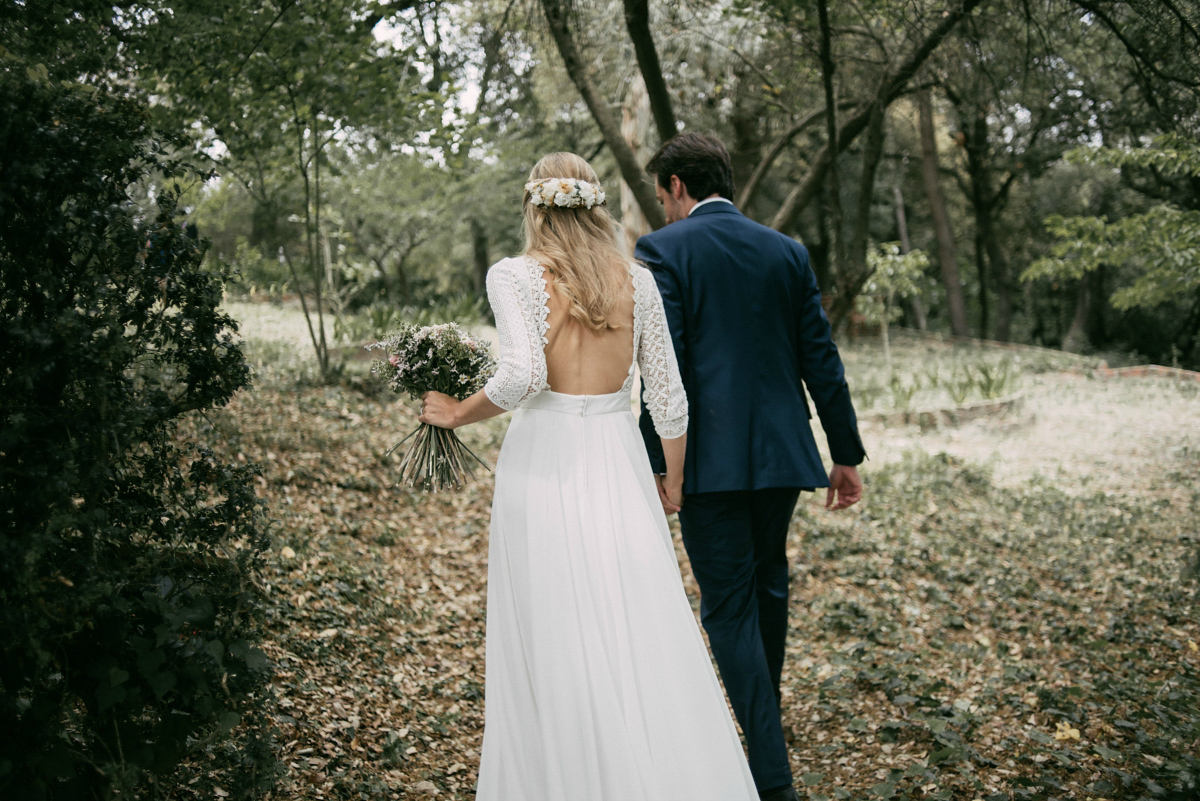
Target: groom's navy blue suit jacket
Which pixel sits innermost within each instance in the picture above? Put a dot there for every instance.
(745, 316)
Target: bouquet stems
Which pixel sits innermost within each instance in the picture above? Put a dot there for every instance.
(436, 460)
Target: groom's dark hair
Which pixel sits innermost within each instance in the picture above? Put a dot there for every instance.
(701, 162)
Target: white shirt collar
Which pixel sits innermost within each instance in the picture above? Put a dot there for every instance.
(710, 200)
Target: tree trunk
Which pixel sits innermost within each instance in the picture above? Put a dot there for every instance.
(975, 142)
(747, 124)
(833, 183)
(402, 272)
(1004, 294)
(764, 165)
(981, 271)
(635, 125)
(479, 243)
(631, 171)
(637, 21)
(1076, 338)
(389, 285)
(819, 253)
(986, 204)
(941, 220)
(891, 86)
(315, 247)
(852, 279)
(915, 306)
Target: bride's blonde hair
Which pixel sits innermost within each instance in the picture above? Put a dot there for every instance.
(580, 247)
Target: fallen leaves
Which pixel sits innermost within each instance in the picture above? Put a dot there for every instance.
(938, 630)
(1065, 731)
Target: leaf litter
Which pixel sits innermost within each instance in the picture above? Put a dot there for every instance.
(950, 638)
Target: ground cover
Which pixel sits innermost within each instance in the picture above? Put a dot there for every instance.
(954, 636)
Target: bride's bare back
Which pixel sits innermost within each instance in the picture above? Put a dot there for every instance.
(580, 361)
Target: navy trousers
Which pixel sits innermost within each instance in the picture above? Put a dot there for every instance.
(736, 543)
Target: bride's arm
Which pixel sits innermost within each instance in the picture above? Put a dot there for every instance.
(521, 370)
(663, 393)
(670, 486)
(445, 411)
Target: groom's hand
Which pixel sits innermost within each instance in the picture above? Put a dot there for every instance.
(845, 487)
(669, 495)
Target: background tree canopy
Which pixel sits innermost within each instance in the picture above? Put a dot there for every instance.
(370, 152)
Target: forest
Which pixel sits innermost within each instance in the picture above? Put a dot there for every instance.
(210, 584)
(1042, 156)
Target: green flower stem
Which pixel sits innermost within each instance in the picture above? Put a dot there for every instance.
(436, 460)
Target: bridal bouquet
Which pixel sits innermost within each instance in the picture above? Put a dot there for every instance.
(438, 358)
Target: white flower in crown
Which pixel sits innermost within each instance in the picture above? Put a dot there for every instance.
(534, 189)
(566, 193)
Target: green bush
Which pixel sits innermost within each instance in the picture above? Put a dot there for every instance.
(129, 611)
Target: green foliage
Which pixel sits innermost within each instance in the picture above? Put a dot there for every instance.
(1162, 246)
(893, 275)
(375, 321)
(128, 606)
(1170, 154)
(278, 86)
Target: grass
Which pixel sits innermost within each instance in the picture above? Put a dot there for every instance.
(952, 637)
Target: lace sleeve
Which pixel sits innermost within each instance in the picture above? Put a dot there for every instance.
(520, 327)
(663, 391)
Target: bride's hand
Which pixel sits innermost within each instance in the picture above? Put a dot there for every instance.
(670, 494)
(439, 410)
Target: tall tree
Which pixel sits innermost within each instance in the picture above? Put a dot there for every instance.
(833, 174)
(892, 83)
(277, 86)
(637, 21)
(947, 255)
(558, 19)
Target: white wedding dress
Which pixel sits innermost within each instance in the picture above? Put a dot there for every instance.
(598, 685)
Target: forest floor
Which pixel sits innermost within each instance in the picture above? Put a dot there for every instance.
(1004, 615)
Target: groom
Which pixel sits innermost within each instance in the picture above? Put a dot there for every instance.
(749, 332)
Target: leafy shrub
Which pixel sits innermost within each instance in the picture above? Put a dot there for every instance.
(375, 321)
(128, 607)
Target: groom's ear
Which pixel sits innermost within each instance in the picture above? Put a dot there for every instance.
(678, 188)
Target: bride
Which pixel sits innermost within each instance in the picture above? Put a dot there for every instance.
(598, 684)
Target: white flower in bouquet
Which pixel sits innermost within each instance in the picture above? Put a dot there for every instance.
(434, 358)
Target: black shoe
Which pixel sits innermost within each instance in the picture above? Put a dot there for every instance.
(780, 794)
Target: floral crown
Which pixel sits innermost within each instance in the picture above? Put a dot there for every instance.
(564, 193)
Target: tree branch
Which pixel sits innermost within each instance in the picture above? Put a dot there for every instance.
(631, 171)
(777, 147)
(891, 87)
(637, 21)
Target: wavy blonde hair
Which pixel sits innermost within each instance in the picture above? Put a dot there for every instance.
(580, 247)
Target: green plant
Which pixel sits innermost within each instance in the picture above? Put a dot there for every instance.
(902, 392)
(375, 321)
(960, 384)
(128, 605)
(995, 380)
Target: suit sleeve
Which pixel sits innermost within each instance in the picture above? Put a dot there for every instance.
(667, 281)
(823, 373)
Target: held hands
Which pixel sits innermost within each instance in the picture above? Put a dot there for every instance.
(439, 410)
(844, 485)
(670, 493)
